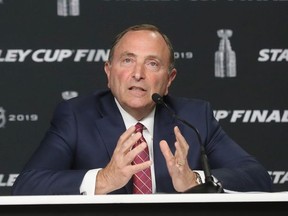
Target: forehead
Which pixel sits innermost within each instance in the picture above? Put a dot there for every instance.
(144, 41)
(148, 34)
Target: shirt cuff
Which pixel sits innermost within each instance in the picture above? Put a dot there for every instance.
(88, 184)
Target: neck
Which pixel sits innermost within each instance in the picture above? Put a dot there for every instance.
(137, 114)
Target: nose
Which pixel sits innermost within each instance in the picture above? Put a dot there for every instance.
(139, 72)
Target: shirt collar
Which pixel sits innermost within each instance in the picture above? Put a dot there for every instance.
(129, 120)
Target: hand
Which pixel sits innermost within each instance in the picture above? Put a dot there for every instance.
(119, 170)
(182, 176)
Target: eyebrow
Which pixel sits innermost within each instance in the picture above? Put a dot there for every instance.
(130, 54)
(126, 53)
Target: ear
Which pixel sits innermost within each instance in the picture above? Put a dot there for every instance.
(172, 76)
(107, 69)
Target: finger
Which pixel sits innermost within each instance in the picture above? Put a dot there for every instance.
(181, 148)
(135, 151)
(178, 135)
(138, 167)
(168, 155)
(127, 140)
(181, 144)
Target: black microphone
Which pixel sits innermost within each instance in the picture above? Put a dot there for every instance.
(209, 186)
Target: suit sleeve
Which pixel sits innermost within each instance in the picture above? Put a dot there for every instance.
(50, 169)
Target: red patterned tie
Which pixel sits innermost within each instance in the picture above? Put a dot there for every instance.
(142, 183)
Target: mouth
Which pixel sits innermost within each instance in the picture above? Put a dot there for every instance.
(137, 91)
(136, 88)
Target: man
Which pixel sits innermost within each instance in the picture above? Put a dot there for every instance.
(89, 148)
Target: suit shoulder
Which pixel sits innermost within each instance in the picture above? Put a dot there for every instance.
(179, 102)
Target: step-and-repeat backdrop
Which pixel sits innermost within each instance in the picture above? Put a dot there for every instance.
(231, 53)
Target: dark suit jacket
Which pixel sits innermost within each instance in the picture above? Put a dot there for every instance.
(84, 132)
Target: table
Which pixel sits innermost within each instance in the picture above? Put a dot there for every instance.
(153, 205)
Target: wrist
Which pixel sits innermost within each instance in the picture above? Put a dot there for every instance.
(101, 186)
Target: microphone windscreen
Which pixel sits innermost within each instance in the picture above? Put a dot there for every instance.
(157, 98)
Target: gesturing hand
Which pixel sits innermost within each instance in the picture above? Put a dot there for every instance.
(119, 170)
(182, 176)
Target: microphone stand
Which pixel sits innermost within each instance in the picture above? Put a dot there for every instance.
(209, 186)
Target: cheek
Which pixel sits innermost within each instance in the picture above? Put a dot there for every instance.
(161, 84)
(117, 80)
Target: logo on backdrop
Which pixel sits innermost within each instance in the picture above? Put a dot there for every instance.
(4, 119)
(273, 55)
(66, 95)
(68, 8)
(225, 57)
(7, 180)
(252, 116)
(57, 55)
(279, 177)
(60, 55)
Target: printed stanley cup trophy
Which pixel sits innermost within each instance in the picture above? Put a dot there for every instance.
(2, 117)
(68, 7)
(225, 57)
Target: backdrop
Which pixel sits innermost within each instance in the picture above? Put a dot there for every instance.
(231, 53)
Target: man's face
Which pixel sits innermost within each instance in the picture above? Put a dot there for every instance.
(138, 69)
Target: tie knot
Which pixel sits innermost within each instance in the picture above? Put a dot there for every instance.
(139, 127)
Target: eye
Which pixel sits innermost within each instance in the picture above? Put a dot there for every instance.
(153, 65)
(127, 61)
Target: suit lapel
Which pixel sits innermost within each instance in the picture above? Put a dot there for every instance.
(163, 130)
(110, 127)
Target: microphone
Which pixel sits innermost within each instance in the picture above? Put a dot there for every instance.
(209, 186)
